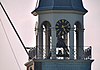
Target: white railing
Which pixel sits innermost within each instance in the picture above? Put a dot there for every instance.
(86, 55)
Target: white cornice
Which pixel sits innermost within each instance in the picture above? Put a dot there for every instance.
(59, 11)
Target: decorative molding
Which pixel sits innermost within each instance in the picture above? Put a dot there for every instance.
(59, 11)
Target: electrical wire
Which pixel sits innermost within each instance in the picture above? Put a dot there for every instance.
(10, 44)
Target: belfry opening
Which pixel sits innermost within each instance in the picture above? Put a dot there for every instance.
(44, 39)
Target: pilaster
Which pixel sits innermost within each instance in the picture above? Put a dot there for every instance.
(71, 43)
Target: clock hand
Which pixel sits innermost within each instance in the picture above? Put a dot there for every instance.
(64, 28)
(66, 25)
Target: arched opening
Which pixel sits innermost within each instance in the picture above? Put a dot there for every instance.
(46, 33)
(62, 33)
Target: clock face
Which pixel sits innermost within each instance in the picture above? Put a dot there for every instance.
(62, 27)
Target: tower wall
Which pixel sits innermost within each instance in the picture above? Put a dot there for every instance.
(62, 64)
(54, 16)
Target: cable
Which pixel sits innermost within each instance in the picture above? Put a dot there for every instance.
(14, 28)
(37, 3)
(10, 45)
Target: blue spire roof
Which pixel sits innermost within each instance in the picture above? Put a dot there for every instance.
(76, 5)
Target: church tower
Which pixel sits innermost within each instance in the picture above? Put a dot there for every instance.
(60, 37)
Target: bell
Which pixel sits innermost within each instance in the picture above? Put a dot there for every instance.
(59, 53)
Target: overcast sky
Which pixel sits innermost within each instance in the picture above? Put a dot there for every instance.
(20, 14)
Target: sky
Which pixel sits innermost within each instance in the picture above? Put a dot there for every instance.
(20, 14)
